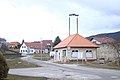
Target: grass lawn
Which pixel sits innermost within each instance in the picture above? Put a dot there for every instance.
(92, 64)
(71, 62)
(106, 66)
(15, 77)
(18, 63)
(44, 57)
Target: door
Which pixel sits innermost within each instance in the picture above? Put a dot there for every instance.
(80, 55)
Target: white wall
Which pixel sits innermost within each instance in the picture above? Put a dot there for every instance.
(81, 53)
(23, 48)
(26, 50)
(96, 42)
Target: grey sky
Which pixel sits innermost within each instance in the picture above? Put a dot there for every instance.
(47, 19)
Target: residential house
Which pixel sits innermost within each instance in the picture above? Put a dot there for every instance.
(30, 48)
(106, 50)
(13, 44)
(102, 40)
(35, 47)
(46, 46)
(75, 47)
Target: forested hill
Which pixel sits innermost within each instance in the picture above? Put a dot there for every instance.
(114, 35)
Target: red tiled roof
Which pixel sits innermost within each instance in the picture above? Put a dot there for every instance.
(75, 40)
(104, 40)
(46, 42)
(13, 43)
(33, 45)
(38, 45)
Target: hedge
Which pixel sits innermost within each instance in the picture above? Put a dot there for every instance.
(3, 67)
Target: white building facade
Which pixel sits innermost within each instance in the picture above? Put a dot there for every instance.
(75, 47)
(24, 50)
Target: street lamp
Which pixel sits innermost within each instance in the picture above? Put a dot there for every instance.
(76, 21)
(51, 39)
(41, 48)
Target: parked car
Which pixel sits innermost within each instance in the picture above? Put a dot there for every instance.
(101, 60)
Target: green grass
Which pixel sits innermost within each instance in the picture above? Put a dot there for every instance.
(15, 77)
(92, 64)
(106, 66)
(71, 62)
(18, 63)
(44, 57)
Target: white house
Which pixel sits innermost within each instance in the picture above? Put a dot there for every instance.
(95, 41)
(75, 47)
(30, 48)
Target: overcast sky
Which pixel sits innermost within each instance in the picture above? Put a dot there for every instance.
(35, 20)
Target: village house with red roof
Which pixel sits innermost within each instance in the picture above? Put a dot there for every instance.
(75, 47)
(102, 40)
(13, 44)
(35, 47)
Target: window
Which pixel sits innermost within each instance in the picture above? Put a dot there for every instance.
(74, 50)
(56, 50)
(21, 50)
(23, 46)
(89, 53)
(31, 50)
(75, 53)
(95, 42)
(64, 52)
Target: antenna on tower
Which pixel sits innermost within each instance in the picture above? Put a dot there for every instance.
(76, 21)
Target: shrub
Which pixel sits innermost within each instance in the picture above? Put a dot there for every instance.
(3, 67)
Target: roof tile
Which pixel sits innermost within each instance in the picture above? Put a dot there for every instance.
(75, 40)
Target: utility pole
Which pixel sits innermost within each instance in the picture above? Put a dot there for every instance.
(41, 48)
(51, 39)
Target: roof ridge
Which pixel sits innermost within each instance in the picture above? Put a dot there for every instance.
(66, 38)
(87, 40)
(72, 39)
(75, 40)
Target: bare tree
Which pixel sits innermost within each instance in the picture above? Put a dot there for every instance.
(116, 46)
